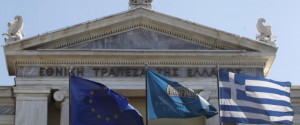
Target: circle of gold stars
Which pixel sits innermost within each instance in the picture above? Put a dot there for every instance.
(93, 110)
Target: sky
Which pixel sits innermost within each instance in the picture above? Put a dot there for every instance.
(234, 16)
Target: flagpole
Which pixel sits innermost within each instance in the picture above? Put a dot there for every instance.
(69, 73)
(146, 88)
(218, 85)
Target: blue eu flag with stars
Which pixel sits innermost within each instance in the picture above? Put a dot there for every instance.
(93, 103)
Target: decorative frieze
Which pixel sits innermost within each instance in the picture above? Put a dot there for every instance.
(7, 101)
(75, 62)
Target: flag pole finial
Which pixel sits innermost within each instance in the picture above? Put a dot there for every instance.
(146, 65)
(70, 70)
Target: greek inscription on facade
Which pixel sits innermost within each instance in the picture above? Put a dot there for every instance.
(98, 71)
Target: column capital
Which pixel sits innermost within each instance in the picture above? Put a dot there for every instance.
(60, 95)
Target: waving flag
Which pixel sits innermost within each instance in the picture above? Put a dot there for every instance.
(169, 99)
(252, 100)
(95, 104)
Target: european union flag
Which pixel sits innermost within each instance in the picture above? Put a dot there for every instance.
(95, 104)
(169, 99)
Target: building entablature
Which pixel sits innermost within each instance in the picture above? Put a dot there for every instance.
(136, 37)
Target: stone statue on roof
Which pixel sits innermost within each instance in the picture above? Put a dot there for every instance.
(140, 3)
(265, 31)
(15, 28)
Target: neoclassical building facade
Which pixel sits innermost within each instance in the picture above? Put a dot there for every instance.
(114, 50)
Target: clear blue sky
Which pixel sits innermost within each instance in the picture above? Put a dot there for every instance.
(234, 16)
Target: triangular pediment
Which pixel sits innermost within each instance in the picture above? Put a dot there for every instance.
(139, 39)
(149, 30)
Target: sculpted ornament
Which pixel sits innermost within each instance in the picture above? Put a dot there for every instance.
(265, 32)
(14, 31)
(140, 3)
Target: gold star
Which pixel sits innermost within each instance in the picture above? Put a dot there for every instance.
(90, 101)
(93, 110)
(107, 119)
(115, 116)
(99, 116)
(92, 92)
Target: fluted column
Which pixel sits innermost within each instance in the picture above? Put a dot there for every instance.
(62, 96)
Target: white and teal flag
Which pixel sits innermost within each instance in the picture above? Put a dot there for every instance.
(169, 99)
(253, 100)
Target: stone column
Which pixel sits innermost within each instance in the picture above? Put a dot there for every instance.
(62, 96)
(31, 105)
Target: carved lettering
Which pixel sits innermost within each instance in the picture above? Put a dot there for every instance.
(159, 70)
(175, 72)
(112, 72)
(127, 72)
(167, 72)
(96, 70)
(189, 72)
(49, 71)
(181, 72)
(58, 71)
(143, 72)
(135, 72)
(42, 70)
(80, 71)
(104, 71)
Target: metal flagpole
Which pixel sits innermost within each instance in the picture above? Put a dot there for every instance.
(146, 88)
(70, 99)
(218, 85)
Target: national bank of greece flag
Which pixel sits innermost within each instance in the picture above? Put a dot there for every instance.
(252, 100)
(169, 99)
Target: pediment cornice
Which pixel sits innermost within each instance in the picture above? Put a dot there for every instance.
(145, 19)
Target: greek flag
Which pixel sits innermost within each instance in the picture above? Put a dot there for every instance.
(252, 100)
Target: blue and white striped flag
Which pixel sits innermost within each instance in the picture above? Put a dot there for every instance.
(252, 100)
